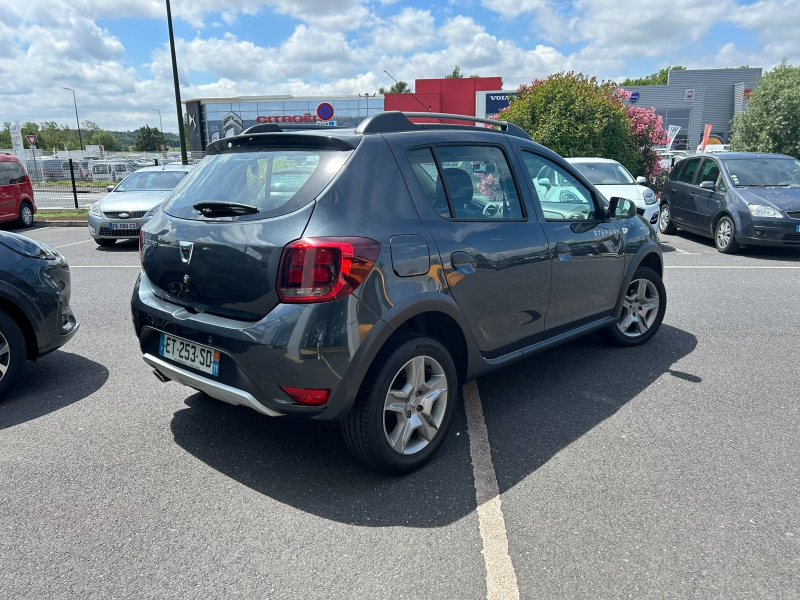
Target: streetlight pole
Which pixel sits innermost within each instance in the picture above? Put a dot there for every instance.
(77, 120)
(181, 133)
(160, 126)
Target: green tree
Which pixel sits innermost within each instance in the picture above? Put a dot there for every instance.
(575, 115)
(149, 139)
(659, 78)
(5, 136)
(106, 139)
(771, 122)
(456, 74)
(400, 87)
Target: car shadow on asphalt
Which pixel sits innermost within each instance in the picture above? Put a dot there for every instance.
(49, 384)
(125, 246)
(781, 253)
(533, 410)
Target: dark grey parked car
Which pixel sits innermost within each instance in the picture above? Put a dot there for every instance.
(35, 316)
(413, 258)
(737, 198)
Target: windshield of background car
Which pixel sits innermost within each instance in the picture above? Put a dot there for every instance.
(605, 173)
(275, 182)
(151, 181)
(763, 171)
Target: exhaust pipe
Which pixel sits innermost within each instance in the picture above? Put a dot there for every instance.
(160, 377)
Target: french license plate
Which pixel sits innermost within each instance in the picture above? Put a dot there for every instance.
(124, 226)
(188, 353)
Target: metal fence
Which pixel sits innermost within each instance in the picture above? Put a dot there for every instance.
(73, 180)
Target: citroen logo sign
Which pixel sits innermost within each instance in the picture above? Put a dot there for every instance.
(186, 248)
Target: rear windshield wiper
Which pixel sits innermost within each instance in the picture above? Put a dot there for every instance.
(213, 206)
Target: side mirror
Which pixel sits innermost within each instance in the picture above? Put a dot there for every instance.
(621, 208)
(544, 182)
(641, 180)
(708, 185)
(111, 188)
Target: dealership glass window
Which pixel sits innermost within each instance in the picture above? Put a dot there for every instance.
(682, 118)
(295, 108)
(218, 107)
(275, 106)
(251, 106)
(342, 104)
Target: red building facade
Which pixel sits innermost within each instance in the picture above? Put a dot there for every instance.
(455, 96)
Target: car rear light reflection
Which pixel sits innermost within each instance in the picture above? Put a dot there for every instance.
(323, 269)
(307, 396)
(141, 244)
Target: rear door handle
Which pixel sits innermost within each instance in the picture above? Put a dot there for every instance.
(462, 262)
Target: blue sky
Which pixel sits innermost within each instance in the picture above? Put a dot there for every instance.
(115, 54)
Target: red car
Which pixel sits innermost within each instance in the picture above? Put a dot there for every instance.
(16, 192)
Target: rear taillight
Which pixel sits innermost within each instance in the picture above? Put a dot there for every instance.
(307, 396)
(322, 269)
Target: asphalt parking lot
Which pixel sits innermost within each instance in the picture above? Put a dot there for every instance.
(670, 470)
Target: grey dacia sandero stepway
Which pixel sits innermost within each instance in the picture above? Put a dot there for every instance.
(363, 275)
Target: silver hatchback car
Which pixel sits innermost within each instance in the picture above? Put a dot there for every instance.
(123, 211)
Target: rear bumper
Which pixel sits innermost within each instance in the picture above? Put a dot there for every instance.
(214, 389)
(305, 346)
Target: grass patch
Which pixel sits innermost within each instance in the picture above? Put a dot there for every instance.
(62, 215)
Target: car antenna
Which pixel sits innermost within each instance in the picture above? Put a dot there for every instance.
(428, 108)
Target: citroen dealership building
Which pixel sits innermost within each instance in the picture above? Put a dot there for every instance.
(690, 100)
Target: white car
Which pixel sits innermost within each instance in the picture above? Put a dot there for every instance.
(612, 179)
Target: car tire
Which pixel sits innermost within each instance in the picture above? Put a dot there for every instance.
(725, 236)
(399, 420)
(636, 326)
(105, 242)
(13, 354)
(665, 224)
(25, 218)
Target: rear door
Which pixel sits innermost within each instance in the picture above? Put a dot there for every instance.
(585, 250)
(7, 191)
(495, 254)
(706, 202)
(679, 191)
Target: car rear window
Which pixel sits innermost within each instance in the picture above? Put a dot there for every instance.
(274, 182)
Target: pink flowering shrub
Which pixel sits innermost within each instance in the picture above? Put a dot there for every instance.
(489, 186)
(648, 131)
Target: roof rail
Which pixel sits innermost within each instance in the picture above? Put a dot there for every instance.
(395, 121)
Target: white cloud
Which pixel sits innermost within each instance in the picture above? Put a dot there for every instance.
(409, 29)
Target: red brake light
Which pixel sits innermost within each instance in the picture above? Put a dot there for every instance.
(323, 269)
(306, 396)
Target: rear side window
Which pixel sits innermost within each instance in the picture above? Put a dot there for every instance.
(475, 182)
(274, 182)
(687, 174)
(15, 172)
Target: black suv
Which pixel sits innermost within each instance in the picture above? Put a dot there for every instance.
(363, 275)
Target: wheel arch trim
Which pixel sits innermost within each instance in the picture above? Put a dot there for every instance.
(649, 248)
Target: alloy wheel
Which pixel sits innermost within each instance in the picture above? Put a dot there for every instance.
(664, 222)
(27, 215)
(724, 233)
(639, 308)
(415, 405)
(5, 356)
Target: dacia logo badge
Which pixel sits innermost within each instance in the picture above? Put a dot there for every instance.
(123, 215)
(186, 248)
